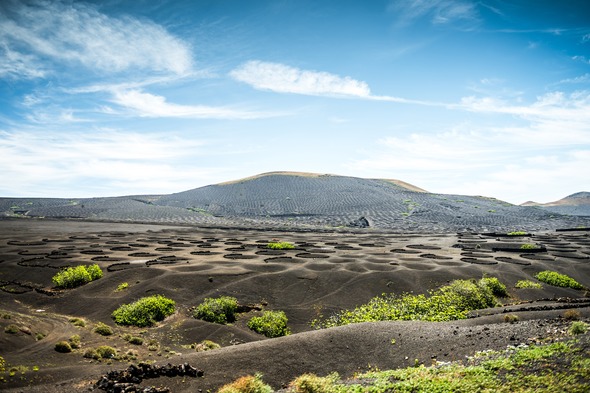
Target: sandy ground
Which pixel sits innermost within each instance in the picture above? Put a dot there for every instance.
(326, 272)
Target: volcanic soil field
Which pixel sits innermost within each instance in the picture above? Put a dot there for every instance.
(328, 270)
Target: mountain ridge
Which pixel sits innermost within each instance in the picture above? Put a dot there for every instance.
(575, 204)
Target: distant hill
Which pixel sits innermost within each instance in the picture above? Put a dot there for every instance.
(303, 201)
(577, 204)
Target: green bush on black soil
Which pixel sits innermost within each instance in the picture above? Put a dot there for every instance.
(450, 302)
(145, 311)
(218, 310)
(271, 324)
(63, 347)
(558, 280)
(103, 329)
(73, 277)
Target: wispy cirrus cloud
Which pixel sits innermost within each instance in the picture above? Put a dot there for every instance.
(35, 34)
(556, 106)
(578, 79)
(140, 103)
(281, 78)
(14, 64)
(438, 12)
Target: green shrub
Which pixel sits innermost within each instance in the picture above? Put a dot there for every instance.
(450, 302)
(498, 289)
(271, 324)
(521, 284)
(572, 315)
(136, 340)
(63, 347)
(247, 384)
(578, 327)
(78, 322)
(94, 271)
(11, 329)
(311, 383)
(103, 329)
(2, 364)
(133, 339)
(91, 354)
(558, 279)
(145, 311)
(205, 345)
(75, 342)
(122, 287)
(511, 318)
(218, 310)
(516, 233)
(280, 246)
(106, 352)
(528, 246)
(73, 277)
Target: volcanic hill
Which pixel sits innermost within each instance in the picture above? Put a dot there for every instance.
(577, 204)
(302, 200)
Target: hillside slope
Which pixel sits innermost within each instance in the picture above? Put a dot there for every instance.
(305, 201)
(577, 204)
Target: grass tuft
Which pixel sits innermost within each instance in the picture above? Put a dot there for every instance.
(511, 318)
(205, 345)
(247, 384)
(578, 327)
(11, 329)
(103, 329)
(311, 383)
(63, 347)
(572, 315)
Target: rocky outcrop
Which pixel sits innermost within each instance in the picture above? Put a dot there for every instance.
(128, 380)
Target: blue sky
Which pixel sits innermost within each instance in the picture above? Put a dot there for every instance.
(106, 98)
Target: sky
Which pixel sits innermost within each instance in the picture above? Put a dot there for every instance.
(109, 98)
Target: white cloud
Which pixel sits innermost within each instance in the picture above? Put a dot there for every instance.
(551, 106)
(578, 79)
(281, 78)
(544, 159)
(16, 65)
(75, 33)
(151, 105)
(542, 178)
(53, 116)
(583, 59)
(107, 163)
